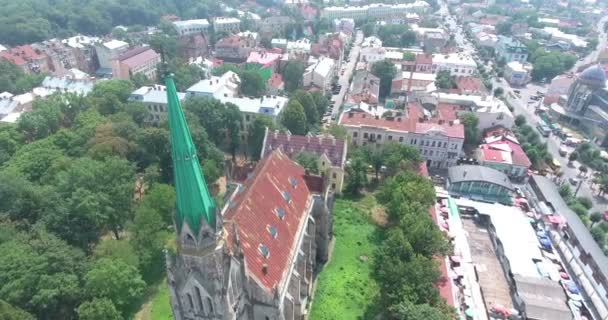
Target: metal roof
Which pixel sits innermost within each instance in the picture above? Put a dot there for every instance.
(478, 173)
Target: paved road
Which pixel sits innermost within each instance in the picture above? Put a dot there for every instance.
(343, 80)
(602, 43)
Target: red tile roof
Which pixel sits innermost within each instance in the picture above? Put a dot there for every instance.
(470, 85)
(492, 152)
(21, 55)
(423, 58)
(291, 144)
(138, 56)
(450, 130)
(447, 112)
(252, 214)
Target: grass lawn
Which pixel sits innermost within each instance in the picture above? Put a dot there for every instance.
(161, 308)
(344, 288)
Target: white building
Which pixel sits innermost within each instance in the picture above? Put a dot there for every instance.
(517, 73)
(279, 43)
(320, 74)
(371, 42)
(226, 24)
(373, 54)
(109, 51)
(558, 35)
(155, 99)
(375, 10)
(271, 106)
(225, 86)
(189, 27)
(490, 110)
(298, 47)
(459, 64)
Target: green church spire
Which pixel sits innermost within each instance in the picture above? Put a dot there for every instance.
(193, 199)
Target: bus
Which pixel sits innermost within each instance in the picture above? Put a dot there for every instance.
(543, 128)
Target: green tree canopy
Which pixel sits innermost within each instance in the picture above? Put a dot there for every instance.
(294, 118)
(98, 309)
(292, 75)
(445, 80)
(471, 132)
(386, 71)
(309, 161)
(252, 83)
(257, 132)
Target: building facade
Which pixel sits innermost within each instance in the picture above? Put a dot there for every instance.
(517, 73)
(479, 183)
(511, 49)
(226, 24)
(254, 258)
(191, 27)
(137, 61)
(458, 64)
(320, 74)
(154, 99)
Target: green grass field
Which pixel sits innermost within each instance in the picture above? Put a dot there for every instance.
(161, 308)
(344, 288)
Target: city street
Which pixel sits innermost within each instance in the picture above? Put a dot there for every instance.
(343, 80)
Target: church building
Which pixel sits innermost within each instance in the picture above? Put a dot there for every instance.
(255, 257)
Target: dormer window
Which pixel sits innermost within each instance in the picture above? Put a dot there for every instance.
(273, 231)
(286, 196)
(264, 251)
(293, 182)
(280, 212)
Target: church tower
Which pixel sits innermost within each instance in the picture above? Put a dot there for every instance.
(197, 272)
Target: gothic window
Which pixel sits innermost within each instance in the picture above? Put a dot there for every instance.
(190, 302)
(199, 300)
(209, 305)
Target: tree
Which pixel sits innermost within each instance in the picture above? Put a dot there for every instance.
(117, 250)
(336, 130)
(309, 105)
(583, 169)
(498, 92)
(233, 121)
(40, 274)
(257, 132)
(471, 132)
(595, 218)
(599, 236)
(504, 28)
(573, 157)
(9, 312)
(356, 174)
(309, 161)
(321, 102)
(98, 309)
(409, 311)
(15, 81)
(294, 118)
(252, 83)
(386, 71)
(409, 56)
(148, 239)
(405, 187)
(185, 75)
(399, 157)
(210, 113)
(445, 80)
(520, 120)
(219, 71)
(292, 75)
(565, 191)
(116, 281)
(586, 202)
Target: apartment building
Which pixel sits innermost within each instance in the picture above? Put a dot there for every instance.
(191, 27)
(139, 60)
(458, 64)
(375, 10)
(155, 100)
(320, 74)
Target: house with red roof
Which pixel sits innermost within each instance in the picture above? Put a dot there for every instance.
(138, 60)
(439, 143)
(27, 58)
(470, 85)
(504, 154)
(331, 152)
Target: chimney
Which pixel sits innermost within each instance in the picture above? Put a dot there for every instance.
(265, 269)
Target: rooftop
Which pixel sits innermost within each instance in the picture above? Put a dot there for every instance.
(270, 105)
(190, 23)
(138, 56)
(275, 197)
(115, 44)
(504, 150)
(464, 173)
(153, 94)
(225, 20)
(291, 144)
(454, 58)
(263, 57)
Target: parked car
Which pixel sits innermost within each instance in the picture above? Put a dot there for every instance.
(544, 240)
(574, 181)
(572, 291)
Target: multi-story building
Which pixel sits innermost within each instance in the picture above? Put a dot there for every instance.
(406, 83)
(365, 87)
(440, 144)
(279, 44)
(320, 74)
(274, 26)
(139, 60)
(372, 54)
(518, 73)
(490, 111)
(250, 108)
(299, 48)
(225, 86)
(108, 52)
(330, 45)
(375, 11)
(191, 27)
(235, 47)
(84, 51)
(344, 25)
(27, 58)
(265, 59)
(254, 258)
(60, 57)
(330, 150)
(226, 24)
(155, 100)
(458, 64)
(511, 49)
(504, 154)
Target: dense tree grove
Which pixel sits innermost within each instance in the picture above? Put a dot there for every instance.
(386, 71)
(85, 200)
(36, 20)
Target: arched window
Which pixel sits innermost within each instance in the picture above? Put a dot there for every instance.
(209, 305)
(190, 302)
(199, 299)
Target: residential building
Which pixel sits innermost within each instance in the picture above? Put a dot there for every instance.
(225, 86)
(254, 258)
(60, 57)
(279, 44)
(504, 154)
(439, 144)
(268, 105)
(517, 73)
(274, 26)
(479, 183)
(320, 74)
(459, 64)
(511, 49)
(365, 87)
(485, 39)
(192, 46)
(299, 48)
(235, 48)
(330, 45)
(372, 54)
(434, 41)
(84, 51)
(266, 62)
(108, 52)
(490, 111)
(191, 27)
(371, 42)
(330, 150)
(468, 85)
(226, 24)
(155, 100)
(571, 39)
(27, 58)
(406, 83)
(560, 85)
(72, 81)
(375, 10)
(344, 25)
(139, 60)
(423, 63)
(275, 85)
